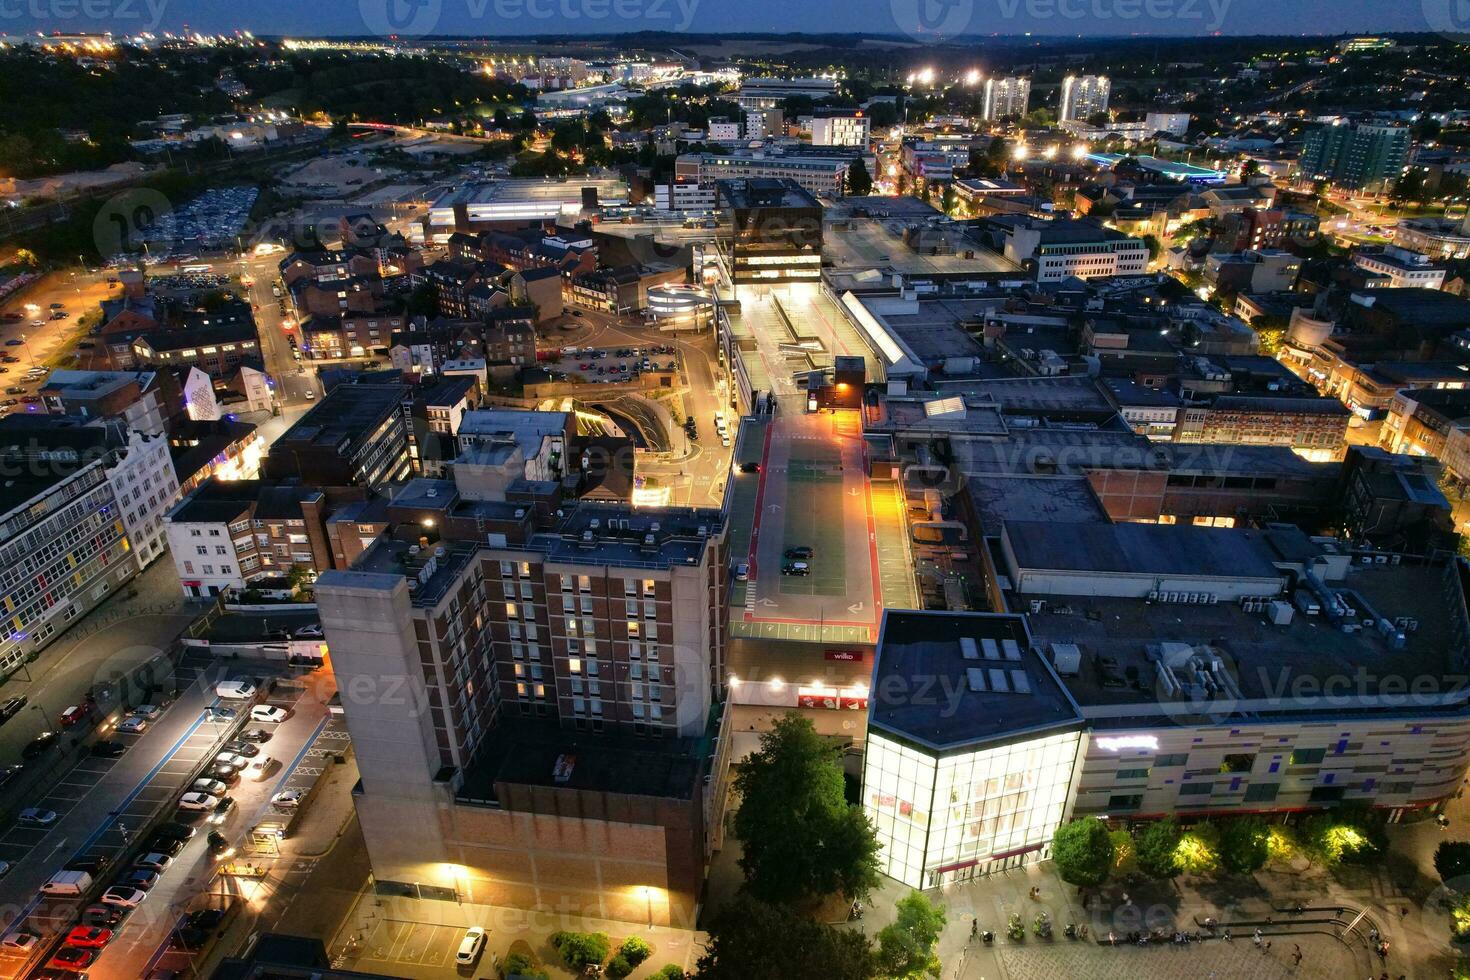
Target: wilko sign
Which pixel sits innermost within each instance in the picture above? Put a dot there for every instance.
(846, 656)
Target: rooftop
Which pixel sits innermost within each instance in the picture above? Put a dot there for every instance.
(348, 413)
(952, 680)
(1149, 549)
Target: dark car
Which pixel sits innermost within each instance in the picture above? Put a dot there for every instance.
(138, 878)
(750, 467)
(103, 916)
(161, 844)
(241, 747)
(108, 749)
(255, 735)
(218, 843)
(795, 568)
(204, 918)
(38, 746)
(802, 553)
(11, 708)
(94, 865)
(188, 939)
(224, 773)
(177, 831)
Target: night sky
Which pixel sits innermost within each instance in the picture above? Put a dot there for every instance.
(918, 19)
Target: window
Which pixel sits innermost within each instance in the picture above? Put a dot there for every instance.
(1196, 789)
(1128, 802)
(1307, 757)
(1133, 773)
(574, 665)
(1261, 792)
(1238, 762)
(1173, 759)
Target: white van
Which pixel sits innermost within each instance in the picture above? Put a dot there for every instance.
(470, 946)
(235, 690)
(67, 883)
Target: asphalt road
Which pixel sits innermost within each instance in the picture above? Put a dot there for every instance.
(52, 342)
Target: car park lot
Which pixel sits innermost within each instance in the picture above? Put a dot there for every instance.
(105, 806)
(610, 365)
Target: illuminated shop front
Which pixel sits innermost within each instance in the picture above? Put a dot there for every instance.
(972, 747)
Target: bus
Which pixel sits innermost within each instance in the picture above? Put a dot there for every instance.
(190, 269)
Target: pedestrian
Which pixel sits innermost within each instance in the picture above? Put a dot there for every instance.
(974, 927)
(1257, 938)
(1125, 899)
(1268, 945)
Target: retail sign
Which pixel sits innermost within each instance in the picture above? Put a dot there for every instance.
(847, 656)
(1117, 743)
(831, 700)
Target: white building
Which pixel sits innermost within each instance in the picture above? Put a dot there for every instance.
(1006, 97)
(722, 130)
(847, 129)
(683, 194)
(1085, 249)
(1173, 123)
(1405, 269)
(1084, 96)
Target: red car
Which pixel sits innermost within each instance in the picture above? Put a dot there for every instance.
(89, 937)
(74, 714)
(73, 958)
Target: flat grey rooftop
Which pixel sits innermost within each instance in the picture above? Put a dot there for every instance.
(950, 681)
(1157, 549)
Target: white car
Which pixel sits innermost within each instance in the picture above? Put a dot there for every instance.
(268, 712)
(36, 817)
(128, 898)
(133, 725)
(198, 802)
(259, 767)
(470, 946)
(232, 759)
(149, 711)
(288, 799)
(235, 690)
(154, 861)
(19, 942)
(211, 787)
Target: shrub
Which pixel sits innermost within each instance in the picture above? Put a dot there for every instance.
(618, 967)
(635, 950)
(521, 965)
(670, 972)
(578, 949)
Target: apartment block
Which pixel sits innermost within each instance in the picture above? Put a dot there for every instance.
(227, 536)
(841, 129)
(356, 436)
(1008, 96)
(1083, 96)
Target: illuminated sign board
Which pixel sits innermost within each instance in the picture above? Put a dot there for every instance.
(1117, 743)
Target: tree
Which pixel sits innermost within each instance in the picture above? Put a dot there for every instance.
(522, 965)
(1452, 861)
(1348, 834)
(1249, 169)
(670, 972)
(906, 947)
(801, 838)
(1243, 845)
(630, 954)
(859, 183)
(1154, 247)
(948, 201)
(1083, 851)
(578, 949)
(752, 939)
(1156, 848)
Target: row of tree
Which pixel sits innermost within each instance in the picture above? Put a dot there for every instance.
(1087, 854)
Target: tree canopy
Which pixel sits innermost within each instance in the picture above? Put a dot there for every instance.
(1083, 851)
(752, 939)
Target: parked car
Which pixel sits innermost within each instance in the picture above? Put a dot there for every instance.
(288, 799)
(133, 725)
(796, 568)
(143, 878)
(742, 572)
(227, 774)
(231, 759)
(256, 735)
(19, 942)
(150, 711)
(198, 802)
(219, 845)
(161, 844)
(242, 747)
(74, 714)
(89, 937)
(94, 865)
(211, 786)
(205, 918)
(124, 896)
(36, 816)
(176, 831)
(268, 712)
(11, 708)
(801, 553)
(470, 946)
(153, 861)
(106, 916)
(73, 958)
